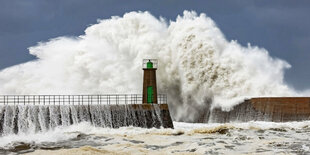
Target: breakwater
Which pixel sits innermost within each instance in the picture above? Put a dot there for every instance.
(30, 114)
(34, 118)
(272, 109)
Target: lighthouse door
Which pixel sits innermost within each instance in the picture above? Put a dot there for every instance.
(150, 94)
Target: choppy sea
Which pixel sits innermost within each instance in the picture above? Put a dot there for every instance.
(185, 138)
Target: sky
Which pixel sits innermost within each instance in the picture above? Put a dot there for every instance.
(280, 26)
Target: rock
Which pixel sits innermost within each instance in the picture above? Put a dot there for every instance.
(223, 130)
(20, 146)
(278, 129)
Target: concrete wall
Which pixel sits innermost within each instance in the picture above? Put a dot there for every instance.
(275, 109)
(15, 118)
(141, 115)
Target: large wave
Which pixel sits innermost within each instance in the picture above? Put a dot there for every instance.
(198, 68)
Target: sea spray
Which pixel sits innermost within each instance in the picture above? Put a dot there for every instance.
(186, 138)
(29, 119)
(198, 68)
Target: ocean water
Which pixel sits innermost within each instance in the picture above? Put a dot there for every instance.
(185, 138)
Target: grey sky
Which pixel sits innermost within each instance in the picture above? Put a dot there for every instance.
(280, 26)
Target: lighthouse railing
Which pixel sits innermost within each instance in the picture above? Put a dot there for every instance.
(107, 99)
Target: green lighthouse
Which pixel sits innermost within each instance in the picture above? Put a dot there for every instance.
(149, 81)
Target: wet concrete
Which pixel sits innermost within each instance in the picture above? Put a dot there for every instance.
(275, 109)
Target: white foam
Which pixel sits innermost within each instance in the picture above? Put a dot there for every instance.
(197, 65)
(61, 133)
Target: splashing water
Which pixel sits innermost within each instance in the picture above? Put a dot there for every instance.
(186, 138)
(27, 119)
(198, 68)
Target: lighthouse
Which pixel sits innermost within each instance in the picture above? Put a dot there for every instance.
(149, 81)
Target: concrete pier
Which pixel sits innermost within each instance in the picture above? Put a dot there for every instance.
(275, 109)
(141, 115)
(34, 118)
(21, 113)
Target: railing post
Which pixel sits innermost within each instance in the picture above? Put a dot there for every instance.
(82, 100)
(44, 100)
(107, 99)
(126, 99)
(73, 99)
(79, 99)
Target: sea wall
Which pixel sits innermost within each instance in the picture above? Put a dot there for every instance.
(33, 118)
(141, 115)
(275, 109)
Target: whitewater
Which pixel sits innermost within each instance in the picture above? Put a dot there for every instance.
(186, 138)
(199, 69)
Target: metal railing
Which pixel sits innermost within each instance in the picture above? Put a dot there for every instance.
(76, 99)
(145, 61)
